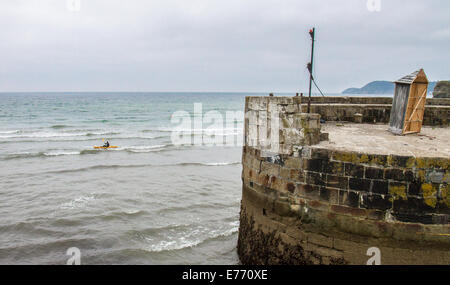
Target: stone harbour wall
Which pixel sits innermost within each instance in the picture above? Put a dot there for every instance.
(372, 109)
(312, 205)
(442, 90)
(276, 125)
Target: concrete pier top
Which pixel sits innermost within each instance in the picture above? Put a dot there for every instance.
(376, 139)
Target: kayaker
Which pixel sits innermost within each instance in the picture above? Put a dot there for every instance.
(106, 144)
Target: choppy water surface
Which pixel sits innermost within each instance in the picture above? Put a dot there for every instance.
(147, 202)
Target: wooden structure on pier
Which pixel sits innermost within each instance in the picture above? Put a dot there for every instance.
(408, 106)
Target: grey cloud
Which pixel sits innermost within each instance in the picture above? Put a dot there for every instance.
(217, 45)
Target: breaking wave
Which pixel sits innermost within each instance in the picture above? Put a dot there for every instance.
(189, 237)
(20, 155)
(20, 134)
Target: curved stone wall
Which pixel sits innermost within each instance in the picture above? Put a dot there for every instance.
(308, 204)
(320, 206)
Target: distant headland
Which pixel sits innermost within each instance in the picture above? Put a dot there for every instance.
(379, 87)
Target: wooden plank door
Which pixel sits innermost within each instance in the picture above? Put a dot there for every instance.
(416, 108)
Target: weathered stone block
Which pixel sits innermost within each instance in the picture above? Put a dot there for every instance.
(285, 173)
(375, 201)
(359, 184)
(277, 159)
(292, 108)
(374, 173)
(330, 195)
(305, 152)
(263, 179)
(376, 215)
(324, 137)
(349, 198)
(270, 169)
(294, 162)
(354, 170)
(297, 175)
(335, 181)
(343, 210)
(334, 167)
(411, 205)
(430, 192)
(400, 161)
(308, 191)
(278, 184)
(315, 165)
(415, 189)
(394, 174)
(434, 176)
(290, 187)
(377, 160)
(380, 187)
(426, 219)
(397, 190)
(320, 153)
(315, 178)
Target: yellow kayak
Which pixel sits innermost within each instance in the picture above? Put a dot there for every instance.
(103, 147)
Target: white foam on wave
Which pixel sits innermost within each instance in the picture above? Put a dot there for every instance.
(26, 154)
(61, 153)
(205, 131)
(144, 148)
(77, 203)
(132, 212)
(38, 135)
(191, 238)
(221, 163)
(9, 132)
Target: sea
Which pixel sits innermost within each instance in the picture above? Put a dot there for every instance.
(155, 199)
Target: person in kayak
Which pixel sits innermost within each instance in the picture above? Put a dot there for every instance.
(106, 144)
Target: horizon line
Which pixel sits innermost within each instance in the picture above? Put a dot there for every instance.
(258, 92)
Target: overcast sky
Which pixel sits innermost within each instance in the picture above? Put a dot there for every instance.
(217, 45)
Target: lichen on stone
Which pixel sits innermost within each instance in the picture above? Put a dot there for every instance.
(429, 194)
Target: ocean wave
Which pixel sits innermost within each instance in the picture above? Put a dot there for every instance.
(20, 155)
(9, 132)
(116, 166)
(144, 149)
(222, 163)
(156, 130)
(132, 212)
(85, 139)
(137, 136)
(225, 131)
(202, 206)
(58, 153)
(132, 149)
(59, 126)
(206, 163)
(87, 134)
(191, 237)
(79, 202)
(54, 135)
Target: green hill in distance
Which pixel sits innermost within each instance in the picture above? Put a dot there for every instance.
(379, 87)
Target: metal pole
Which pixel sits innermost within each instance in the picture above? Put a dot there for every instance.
(313, 34)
